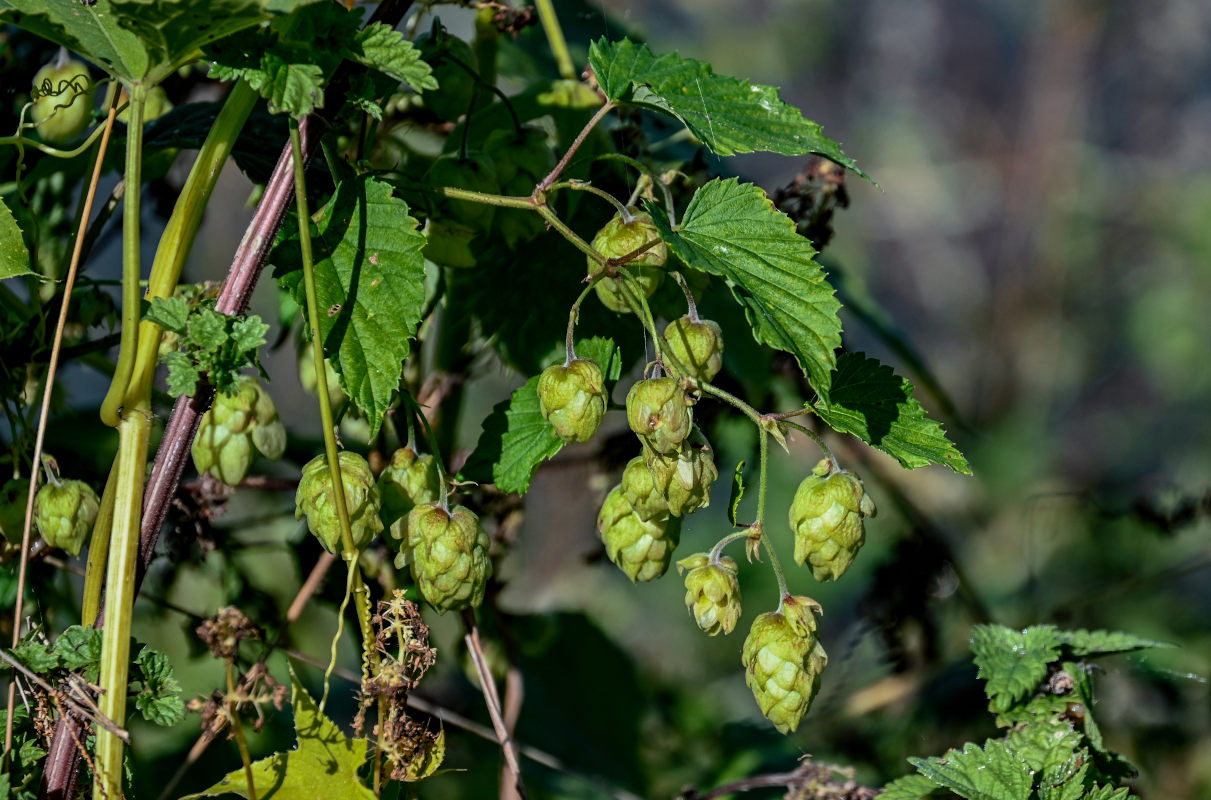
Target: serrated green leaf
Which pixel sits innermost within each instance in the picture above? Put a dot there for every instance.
(325, 762)
(1013, 662)
(1064, 781)
(89, 29)
(875, 404)
(1107, 793)
(733, 501)
(294, 88)
(382, 48)
(173, 32)
(35, 655)
(79, 647)
(1093, 643)
(170, 313)
(370, 281)
(731, 229)
(1046, 744)
(909, 787)
(729, 115)
(14, 257)
(606, 354)
(160, 698)
(989, 773)
(248, 333)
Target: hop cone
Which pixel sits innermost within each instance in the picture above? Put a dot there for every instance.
(827, 518)
(408, 481)
(783, 660)
(642, 549)
(617, 239)
(316, 500)
(65, 514)
(643, 491)
(686, 476)
(697, 344)
(232, 426)
(712, 592)
(572, 398)
(450, 561)
(658, 410)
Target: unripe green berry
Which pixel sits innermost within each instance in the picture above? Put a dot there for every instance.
(697, 345)
(61, 117)
(783, 660)
(658, 410)
(65, 514)
(618, 238)
(572, 398)
(641, 548)
(408, 481)
(827, 518)
(686, 475)
(712, 592)
(316, 500)
(450, 560)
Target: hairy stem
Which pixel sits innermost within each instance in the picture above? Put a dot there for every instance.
(554, 174)
(233, 713)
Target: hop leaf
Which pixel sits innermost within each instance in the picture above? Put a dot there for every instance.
(316, 500)
(712, 592)
(618, 238)
(65, 514)
(697, 344)
(686, 476)
(783, 660)
(827, 517)
(408, 481)
(658, 411)
(641, 548)
(449, 556)
(572, 398)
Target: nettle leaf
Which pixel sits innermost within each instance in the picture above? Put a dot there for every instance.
(1093, 643)
(989, 773)
(729, 115)
(324, 764)
(516, 438)
(370, 282)
(170, 313)
(388, 51)
(79, 647)
(1013, 662)
(35, 655)
(869, 400)
(731, 229)
(91, 30)
(160, 698)
(909, 787)
(14, 257)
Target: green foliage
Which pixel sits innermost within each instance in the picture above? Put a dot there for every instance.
(159, 695)
(14, 257)
(370, 282)
(213, 346)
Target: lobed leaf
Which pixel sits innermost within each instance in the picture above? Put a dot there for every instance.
(14, 257)
(1092, 643)
(909, 787)
(1013, 662)
(993, 772)
(731, 229)
(869, 400)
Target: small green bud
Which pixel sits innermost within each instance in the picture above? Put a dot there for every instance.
(572, 398)
(65, 514)
(13, 497)
(408, 481)
(316, 500)
(225, 455)
(687, 475)
(641, 548)
(618, 238)
(827, 518)
(697, 345)
(658, 410)
(712, 592)
(783, 660)
(450, 562)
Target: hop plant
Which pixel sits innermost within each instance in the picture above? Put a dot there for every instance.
(450, 561)
(618, 238)
(316, 501)
(686, 475)
(230, 429)
(783, 660)
(572, 398)
(712, 592)
(408, 481)
(658, 410)
(62, 116)
(65, 513)
(697, 344)
(641, 548)
(644, 491)
(827, 517)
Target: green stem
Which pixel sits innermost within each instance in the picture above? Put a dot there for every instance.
(574, 315)
(652, 176)
(53, 151)
(558, 224)
(717, 550)
(639, 303)
(130, 260)
(554, 174)
(814, 437)
(582, 186)
(98, 551)
(559, 46)
(760, 523)
(237, 729)
(727, 397)
(501, 200)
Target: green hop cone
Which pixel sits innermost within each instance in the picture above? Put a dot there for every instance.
(316, 500)
(230, 429)
(641, 548)
(65, 514)
(783, 660)
(658, 410)
(615, 240)
(686, 475)
(643, 490)
(13, 497)
(827, 517)
(697, 344)
(712, 592)
(408, 481)
(572, 398)
(449, 556)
